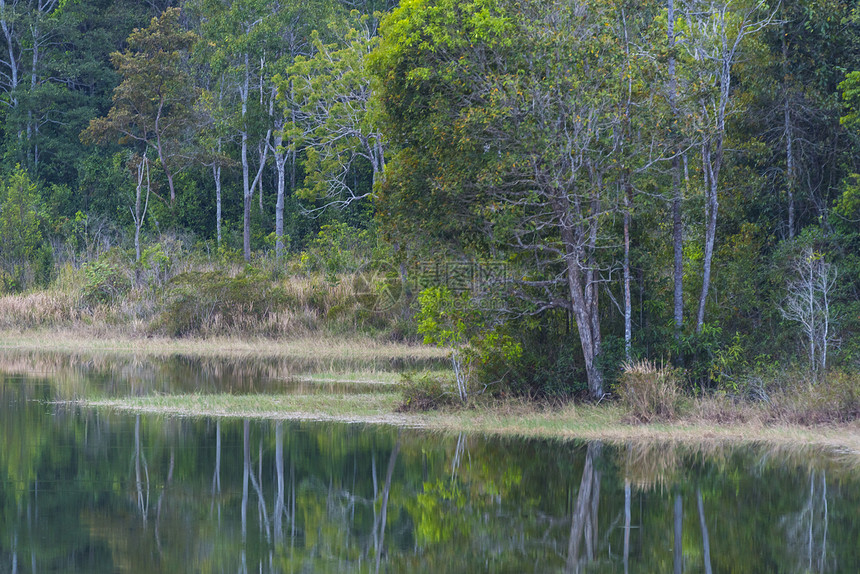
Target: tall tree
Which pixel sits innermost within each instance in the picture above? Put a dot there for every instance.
(716, 33)
(154, 103)
(507, 112)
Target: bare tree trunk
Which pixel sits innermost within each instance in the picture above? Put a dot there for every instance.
(711, 163)
(280, 165)
(216, 175)
(677, 226)
(246, 184)
(583, 294)
(791, 176)
(628, 308)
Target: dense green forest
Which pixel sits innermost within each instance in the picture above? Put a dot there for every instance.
(548, 188)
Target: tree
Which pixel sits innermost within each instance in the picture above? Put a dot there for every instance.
(241, 43)
(154, 103)
(809, 302)
(715, 36)
(332, 121)
(140, 166)
(20, 224)
(504, 114)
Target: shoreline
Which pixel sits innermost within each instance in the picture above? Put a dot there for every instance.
(572, 422)
(324, 346)
(504, 419)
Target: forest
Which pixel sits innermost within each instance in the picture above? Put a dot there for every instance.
(557, 192)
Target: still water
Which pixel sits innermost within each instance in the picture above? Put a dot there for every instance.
(88, 491)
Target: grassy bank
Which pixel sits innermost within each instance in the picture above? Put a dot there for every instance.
(607, 422)
(323, 346)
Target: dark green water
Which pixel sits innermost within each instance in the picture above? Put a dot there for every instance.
(84, 491)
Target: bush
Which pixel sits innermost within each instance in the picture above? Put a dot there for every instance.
(199, 302)
(105, 281)
(424, 393)
(649, 392)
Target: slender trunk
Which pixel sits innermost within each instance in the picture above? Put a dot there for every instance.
(677, 227)
(628, 308)
(280, 165)
(789, 138)
(246, 184)
(6, 26)
(711, 164)
(159, 146)
(582, 289)
(706, 541)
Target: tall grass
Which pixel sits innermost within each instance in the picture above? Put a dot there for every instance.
(196, 299)
(649, 392)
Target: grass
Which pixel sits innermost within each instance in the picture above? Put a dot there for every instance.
(606, 422)
(315, 348)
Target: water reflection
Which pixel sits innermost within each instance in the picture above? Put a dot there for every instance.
(82, 491)
(110, 374)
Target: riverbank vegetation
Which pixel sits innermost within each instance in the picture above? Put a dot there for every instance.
(559, 196)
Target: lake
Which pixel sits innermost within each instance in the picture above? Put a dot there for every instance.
(95, 491)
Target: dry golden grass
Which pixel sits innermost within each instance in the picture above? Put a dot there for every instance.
(44, 308)
(317, 348)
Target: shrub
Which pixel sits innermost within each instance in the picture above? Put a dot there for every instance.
(105, 281)
(424, 393)
(649, 392)
(198, 302)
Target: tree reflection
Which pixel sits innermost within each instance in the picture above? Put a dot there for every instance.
(85, 491)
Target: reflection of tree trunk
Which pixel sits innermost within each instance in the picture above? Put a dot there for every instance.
(627, 518)
(679, 526)
(706, 542)
(161, 498)
(246, 471)
(385, 492)
(293, 495)
(279, 471)
(142, 502)
(261, 501)
(458, 454)
(216, 475)
(585, 510)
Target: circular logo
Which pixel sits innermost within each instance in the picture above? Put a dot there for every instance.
(377, 287)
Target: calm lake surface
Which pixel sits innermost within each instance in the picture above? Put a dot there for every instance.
(90, 491)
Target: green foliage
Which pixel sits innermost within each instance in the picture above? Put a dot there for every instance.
(338, 248)
(482, 354)
(424, 392)
(106, 280)
(20, 227)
